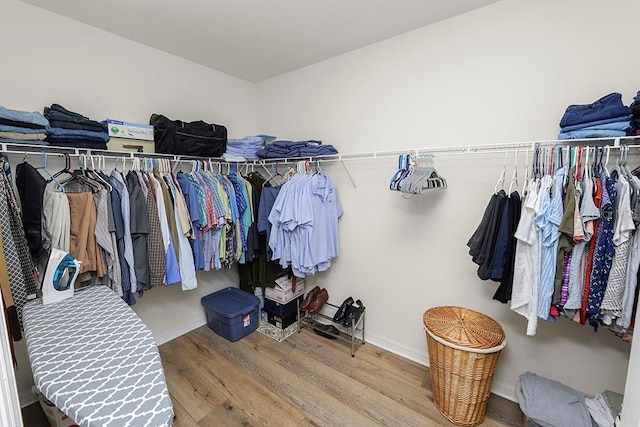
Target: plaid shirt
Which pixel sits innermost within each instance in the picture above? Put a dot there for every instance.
(155, 245)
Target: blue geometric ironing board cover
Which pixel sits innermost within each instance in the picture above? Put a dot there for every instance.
(94, 358)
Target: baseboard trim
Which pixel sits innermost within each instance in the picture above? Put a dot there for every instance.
(27, 397)
(504, 390)
(181, 330)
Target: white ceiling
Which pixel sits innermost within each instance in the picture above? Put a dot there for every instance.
(258, 39)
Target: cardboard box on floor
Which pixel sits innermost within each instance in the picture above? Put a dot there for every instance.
(54, 415)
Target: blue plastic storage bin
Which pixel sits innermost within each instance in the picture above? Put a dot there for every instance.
(232, 313)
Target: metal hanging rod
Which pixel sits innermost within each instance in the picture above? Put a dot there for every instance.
(452, 150)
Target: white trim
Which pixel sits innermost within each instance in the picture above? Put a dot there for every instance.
(179, 331)
(28, 397)
(504, 390)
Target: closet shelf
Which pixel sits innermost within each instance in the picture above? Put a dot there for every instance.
(442, 150)
(354, 334)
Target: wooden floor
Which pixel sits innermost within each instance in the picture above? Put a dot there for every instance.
(307, 380)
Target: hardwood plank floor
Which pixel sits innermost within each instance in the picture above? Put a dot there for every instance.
(306, 380)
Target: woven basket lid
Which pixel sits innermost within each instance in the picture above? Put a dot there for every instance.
(463, 327)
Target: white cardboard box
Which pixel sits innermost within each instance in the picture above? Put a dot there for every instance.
(282, 291)
(129, 144)
(120, 129)
(55, 417)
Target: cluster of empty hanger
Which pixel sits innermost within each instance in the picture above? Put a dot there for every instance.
(85, 176)
(276, 178)
(582, 160)
(416, 174)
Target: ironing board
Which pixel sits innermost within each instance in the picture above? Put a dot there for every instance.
(96, 360)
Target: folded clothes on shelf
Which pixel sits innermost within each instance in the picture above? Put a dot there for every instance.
(635, 115)
(285, 149)
(23, 141)
(60, 117)
(607, 107)
(70, 129)
(607, 117)
(247, 147)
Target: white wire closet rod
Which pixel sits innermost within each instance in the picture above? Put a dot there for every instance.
(19, 149)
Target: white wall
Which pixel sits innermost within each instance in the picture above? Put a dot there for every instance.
(48, 58)
(499, 74)
(503, 73)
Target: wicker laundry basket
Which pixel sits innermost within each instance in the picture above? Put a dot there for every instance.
(464, 348)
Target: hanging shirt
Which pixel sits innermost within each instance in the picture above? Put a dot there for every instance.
(187, 266)
(126, 218)
(631, 280)
(603, 256)
(597, 200)
(173, 267)
(116, 206)
(487, 247)
(548, 223)
(323, 242)
(611, 306)
(191, 198)
(157, 253)
(504, 291)
(139, 227)
(524, 297)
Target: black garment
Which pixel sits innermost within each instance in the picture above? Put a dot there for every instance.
(76, 143)
(487, 233)
(31, 187)
(8, 122)
(261, 272)
(139, 232)
(58, 113)
(253, 237)
(495, 268)
(77, 126)
(504, 291)
(475, 242)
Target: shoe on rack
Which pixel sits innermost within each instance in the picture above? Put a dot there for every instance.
(343, 310)
(318, 301)
(310, 296)
(353, 315)
(327, 331)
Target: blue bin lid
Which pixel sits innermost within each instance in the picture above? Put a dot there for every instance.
(230, 302)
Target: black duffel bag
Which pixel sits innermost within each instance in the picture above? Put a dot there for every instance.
(198, 139)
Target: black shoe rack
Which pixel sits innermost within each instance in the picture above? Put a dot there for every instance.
(353, 334)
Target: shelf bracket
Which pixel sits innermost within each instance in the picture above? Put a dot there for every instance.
(349, 174)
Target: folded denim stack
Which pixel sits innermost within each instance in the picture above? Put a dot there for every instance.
(635, 119)
(607, 117)
(70, 129)
(285, 149)
(21, 127)
(246, 148)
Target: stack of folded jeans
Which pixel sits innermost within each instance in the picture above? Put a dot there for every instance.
(21, 127)
(635, 119)
(285, 149)
(608, 117)
(70, 129)
(246, 148)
